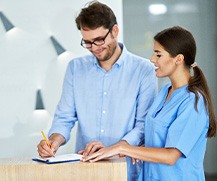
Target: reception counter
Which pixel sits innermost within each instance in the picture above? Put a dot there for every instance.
(24, 169)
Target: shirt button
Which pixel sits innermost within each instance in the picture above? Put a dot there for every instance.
(102, 130)
(105, 93)
(104, 112)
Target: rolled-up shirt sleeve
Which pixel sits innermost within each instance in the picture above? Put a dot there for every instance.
(65, 115)
(146, 95)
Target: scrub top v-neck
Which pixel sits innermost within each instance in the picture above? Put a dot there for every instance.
(176, 123)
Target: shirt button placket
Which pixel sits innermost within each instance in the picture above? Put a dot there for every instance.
(104, 103)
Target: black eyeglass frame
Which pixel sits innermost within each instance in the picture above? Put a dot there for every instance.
(84, 44)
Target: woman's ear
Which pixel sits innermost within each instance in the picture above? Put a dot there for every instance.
(179, 59)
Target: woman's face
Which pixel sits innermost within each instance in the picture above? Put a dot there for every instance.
(165, 64)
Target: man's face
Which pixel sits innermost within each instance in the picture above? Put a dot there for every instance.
(103, 42)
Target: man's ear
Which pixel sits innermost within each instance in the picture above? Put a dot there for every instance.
(115, 31)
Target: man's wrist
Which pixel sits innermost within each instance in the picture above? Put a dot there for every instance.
(124, 142)
(58, 138)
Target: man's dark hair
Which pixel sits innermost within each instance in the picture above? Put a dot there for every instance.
(95, 15)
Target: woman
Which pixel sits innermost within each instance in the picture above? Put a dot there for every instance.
(180, 119)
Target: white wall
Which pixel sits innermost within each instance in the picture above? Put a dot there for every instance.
(28, 62)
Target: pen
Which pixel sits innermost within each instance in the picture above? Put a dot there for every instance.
(45, 138)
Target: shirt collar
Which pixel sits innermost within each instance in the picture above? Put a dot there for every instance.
(123, 55)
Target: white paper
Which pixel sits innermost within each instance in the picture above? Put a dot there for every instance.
(60, 158)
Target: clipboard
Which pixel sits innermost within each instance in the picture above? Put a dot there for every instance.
(73, 157)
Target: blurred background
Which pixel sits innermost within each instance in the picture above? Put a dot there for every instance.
(39, 38)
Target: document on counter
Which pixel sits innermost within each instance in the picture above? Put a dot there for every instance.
(59, 158)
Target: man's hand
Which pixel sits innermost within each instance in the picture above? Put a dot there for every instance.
(91, 148)
(55, 141)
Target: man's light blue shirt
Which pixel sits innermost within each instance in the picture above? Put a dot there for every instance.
(108, 106)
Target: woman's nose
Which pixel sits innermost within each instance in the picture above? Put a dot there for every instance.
(152, 59)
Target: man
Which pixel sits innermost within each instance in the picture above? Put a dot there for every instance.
(107, 93)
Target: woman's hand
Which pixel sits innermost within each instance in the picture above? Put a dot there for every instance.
(91, 148)
(106, 152)
(103, 153)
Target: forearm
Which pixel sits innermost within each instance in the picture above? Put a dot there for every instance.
(58, 138)
(157, 155)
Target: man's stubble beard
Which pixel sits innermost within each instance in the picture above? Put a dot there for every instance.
(110, 52)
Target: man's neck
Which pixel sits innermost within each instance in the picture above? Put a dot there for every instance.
(107, 65)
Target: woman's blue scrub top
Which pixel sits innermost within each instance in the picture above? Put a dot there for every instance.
(176, 124)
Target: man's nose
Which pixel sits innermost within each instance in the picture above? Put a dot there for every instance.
(94, 47)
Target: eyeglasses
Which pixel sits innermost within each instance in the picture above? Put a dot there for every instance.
(97, 42)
